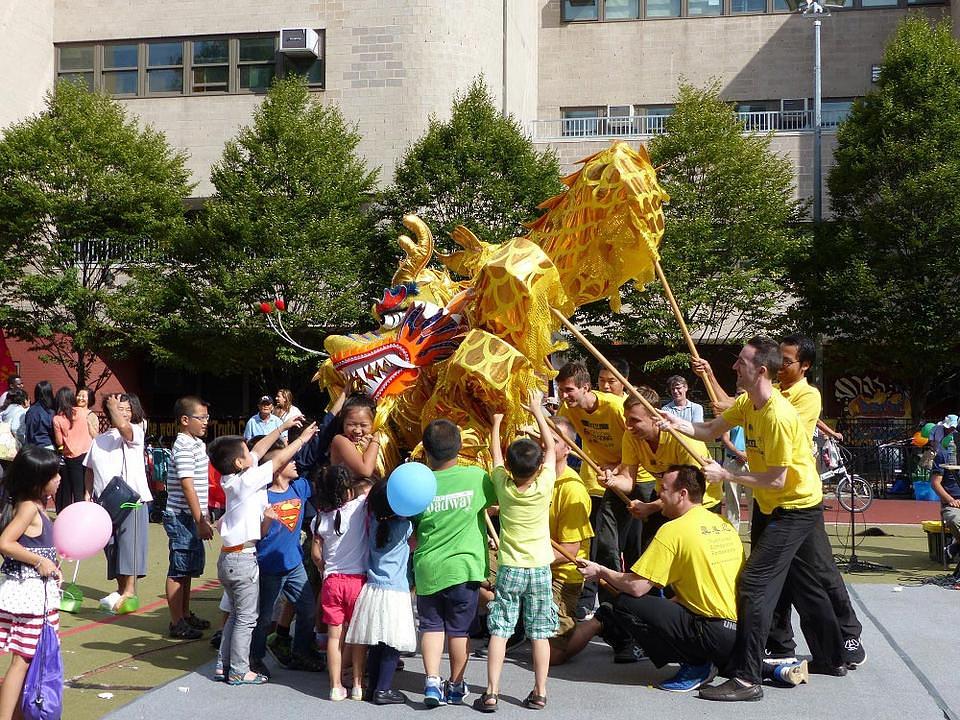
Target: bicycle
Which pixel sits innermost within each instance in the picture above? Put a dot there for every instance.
(852, 492)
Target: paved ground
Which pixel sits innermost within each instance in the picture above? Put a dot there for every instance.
(129, 656)
(910, 669)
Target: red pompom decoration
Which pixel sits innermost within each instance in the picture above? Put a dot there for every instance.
(281, 305)
(266, 308)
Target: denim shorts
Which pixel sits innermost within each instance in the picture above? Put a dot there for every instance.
(187, 555)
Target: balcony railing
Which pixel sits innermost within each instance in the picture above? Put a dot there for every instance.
(113, 252)
(649, 125)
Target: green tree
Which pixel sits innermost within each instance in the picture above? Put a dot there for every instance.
(730, 232)
(477, 169)
(887, 275)
(84, 191)
(289, 220)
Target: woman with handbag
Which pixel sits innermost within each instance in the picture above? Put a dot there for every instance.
(117, 478)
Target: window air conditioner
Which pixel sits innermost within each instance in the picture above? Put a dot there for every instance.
(300, 41)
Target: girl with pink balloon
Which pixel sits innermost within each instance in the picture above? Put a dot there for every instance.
(30, 566)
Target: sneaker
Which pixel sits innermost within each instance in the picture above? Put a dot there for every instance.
(197, 622)
(689, 677)
(388, 697)
(628, 653)
(778, 658)
(457, 692)
(311, 662)
(281, 647)
(582, 613)
(338, 694)
(259, 667)
(433, 694)
(854, 654)
(356, 693)
(183, 631)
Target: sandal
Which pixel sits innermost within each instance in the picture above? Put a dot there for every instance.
(534, 701)
(257, 679)
(483, 703)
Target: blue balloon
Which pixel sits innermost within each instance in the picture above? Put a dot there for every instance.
(410, 489)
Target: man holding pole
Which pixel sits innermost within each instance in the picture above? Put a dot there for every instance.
(787, 489)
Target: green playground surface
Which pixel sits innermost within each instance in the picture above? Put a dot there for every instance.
(128, 655)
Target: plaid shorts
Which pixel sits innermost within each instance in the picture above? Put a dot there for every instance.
(532, 587)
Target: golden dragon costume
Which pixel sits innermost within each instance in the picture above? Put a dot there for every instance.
(464, 348)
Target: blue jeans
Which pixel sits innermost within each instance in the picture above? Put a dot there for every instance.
(296, 590)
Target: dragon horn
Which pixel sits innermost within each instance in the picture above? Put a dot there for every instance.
(465, 238)
(417, 253)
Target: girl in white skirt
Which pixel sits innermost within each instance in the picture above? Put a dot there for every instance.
(30, 571)
(383, 616)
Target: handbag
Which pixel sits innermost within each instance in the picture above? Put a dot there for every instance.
(43, 685)
(118, 498)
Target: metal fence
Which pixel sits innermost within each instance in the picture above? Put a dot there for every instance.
(648, 125)
(881, 451)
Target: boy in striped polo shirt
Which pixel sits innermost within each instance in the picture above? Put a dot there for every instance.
(185, 518)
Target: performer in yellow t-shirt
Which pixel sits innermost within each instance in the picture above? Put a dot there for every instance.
(786, 487)
(699, 555)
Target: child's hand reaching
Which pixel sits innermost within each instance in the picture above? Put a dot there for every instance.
(293, 422)
(536, 399)
(308, 432)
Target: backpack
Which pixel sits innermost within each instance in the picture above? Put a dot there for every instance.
(43, 687)
(8, 442)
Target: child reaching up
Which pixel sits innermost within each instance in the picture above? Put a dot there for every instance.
(246, 520)
(340, 549)
(383, 617)
(355, 446)
(30, 573)
(523, 573)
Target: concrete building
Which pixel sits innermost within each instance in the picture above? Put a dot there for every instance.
(575, 72)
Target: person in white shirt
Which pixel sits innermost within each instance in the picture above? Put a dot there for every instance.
(245, 486)
(119, 453)
(284, 408)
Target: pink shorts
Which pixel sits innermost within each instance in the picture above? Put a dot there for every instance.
(339, 596)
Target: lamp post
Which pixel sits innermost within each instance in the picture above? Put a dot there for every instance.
(816, 10)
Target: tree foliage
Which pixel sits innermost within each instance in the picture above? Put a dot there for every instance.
(84, 190)
(477, 169)
(730, 231)
(289, 220)
(887, 273)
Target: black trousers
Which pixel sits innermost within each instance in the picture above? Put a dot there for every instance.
(668, 632)
(71, 483)
(617, 534)
(784, 553)
(780, 640)
(588, 596)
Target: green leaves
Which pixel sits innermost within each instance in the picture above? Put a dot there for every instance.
(478, 169)
(82, 189)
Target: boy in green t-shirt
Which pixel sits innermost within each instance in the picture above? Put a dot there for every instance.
(450, 561)
(523, 570)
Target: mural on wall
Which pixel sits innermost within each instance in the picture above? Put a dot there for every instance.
(865, 396)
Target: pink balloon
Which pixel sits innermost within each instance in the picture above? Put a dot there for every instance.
(81, 530)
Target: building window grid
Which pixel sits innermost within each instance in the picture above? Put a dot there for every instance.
(241, 74)
(726, 9)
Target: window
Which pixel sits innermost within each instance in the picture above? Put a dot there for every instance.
(663, 8)
(833, 112)
(580, 10)
(257, 63)
(219, 64)
(165, 67)
(878, 3)
(654, 119)
(578, 122)
(698, 8)
(621, 9)
(738, 7)
(758, 115)
(75, 64)
(121, 75)
(211, 66)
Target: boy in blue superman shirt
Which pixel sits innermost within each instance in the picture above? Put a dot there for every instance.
(280, 558)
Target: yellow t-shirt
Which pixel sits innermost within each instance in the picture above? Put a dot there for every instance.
(601, 433)
(570, 522)
(669, 452)
(806, 399)
(524, 519)
(775, 437)
(699, 555)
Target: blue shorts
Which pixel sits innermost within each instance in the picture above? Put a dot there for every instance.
(187, 556)
(450, 610)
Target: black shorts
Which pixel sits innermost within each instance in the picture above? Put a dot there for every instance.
(450, 610)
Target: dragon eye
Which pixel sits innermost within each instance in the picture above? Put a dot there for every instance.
(391, 320)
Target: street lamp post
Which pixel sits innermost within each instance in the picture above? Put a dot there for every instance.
(816, 10)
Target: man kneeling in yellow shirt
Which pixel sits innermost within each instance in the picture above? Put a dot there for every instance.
(699, 555)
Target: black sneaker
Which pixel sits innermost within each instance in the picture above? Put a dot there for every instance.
(817, 668)
(627, 653)
(853, 653)
(197, 622)
(183, 631)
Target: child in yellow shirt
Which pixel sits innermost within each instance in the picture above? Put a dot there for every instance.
(523, 573)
